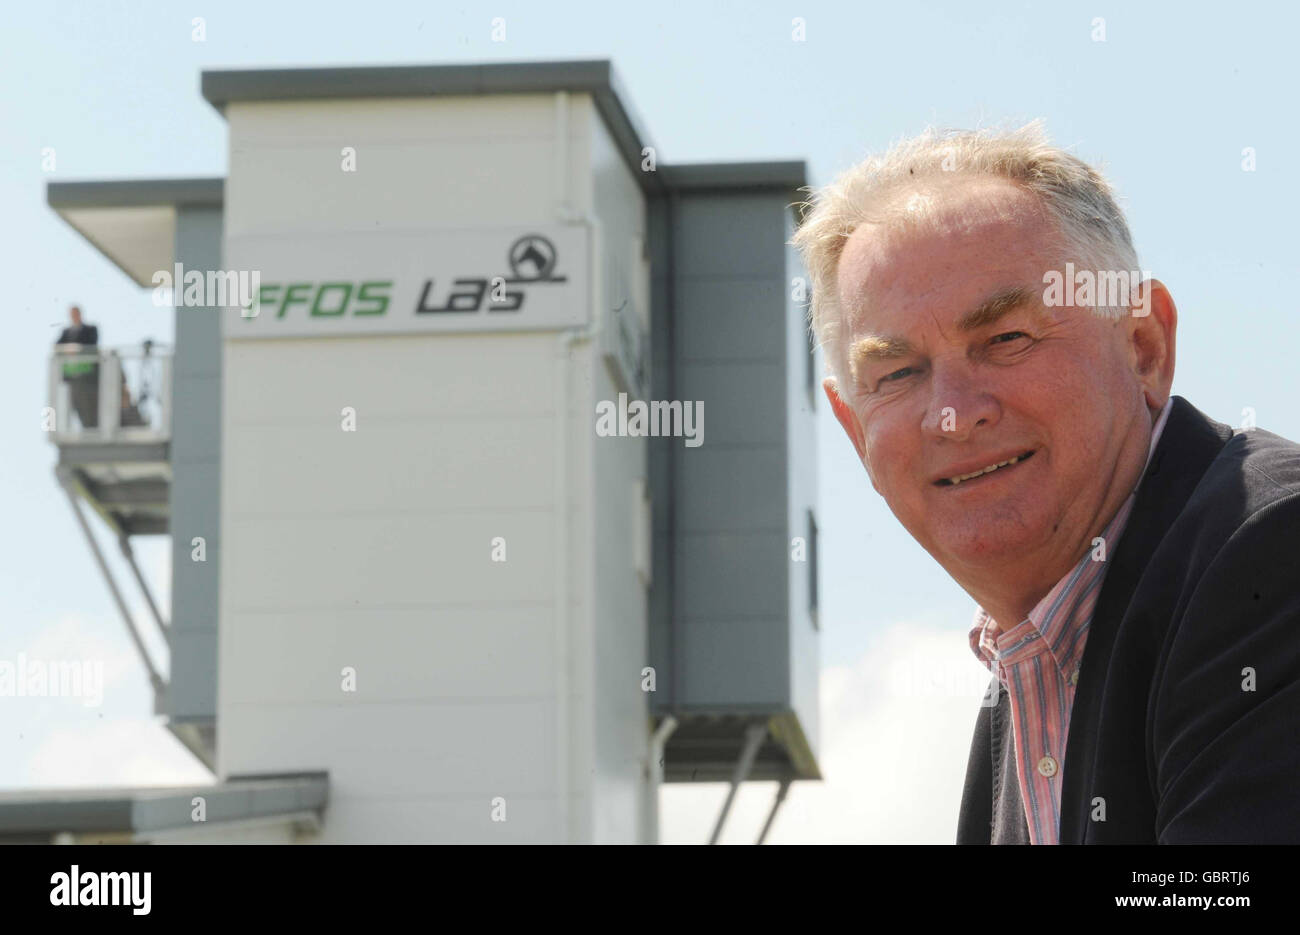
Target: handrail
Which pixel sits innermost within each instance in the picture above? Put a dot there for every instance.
(109, 394)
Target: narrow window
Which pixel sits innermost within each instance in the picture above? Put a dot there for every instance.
(812, 569)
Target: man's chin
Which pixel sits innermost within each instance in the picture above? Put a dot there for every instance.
(985, 547)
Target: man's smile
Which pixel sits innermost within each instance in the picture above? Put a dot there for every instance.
(982, 474)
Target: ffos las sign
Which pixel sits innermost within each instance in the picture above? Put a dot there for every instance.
(368, 282)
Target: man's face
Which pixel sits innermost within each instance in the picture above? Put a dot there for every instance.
(75, 314)
(1054, 383)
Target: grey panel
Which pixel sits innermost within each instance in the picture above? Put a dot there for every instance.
(732, 319)
(744, 403)
(135, 193)
(658, 470)
(53, 813)
(738, 662)
(196, 485)
(156, 808)
(731, 235)
(690, 176)
(721, 619)
(192, 484)
(660, 633)
(194, 663)
(196, 416)
(235, 800)
(267, 84)
(195, 332)
(733, 574)
(197, 582)
(731, 490)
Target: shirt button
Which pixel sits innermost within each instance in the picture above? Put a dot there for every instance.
(1074, 677)
(1047, 766)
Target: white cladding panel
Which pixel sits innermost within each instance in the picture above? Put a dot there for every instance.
(366, 479)
(620, 774)
(475, 161)
(371, 552)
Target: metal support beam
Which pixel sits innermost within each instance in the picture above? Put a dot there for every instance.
(69, 487)
(660, 739)
(124, 542)
(776, 805)
(754, 736)
(142, 493)
(655, 776)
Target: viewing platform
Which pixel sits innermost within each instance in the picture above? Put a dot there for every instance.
(110, 416)
(109, 413)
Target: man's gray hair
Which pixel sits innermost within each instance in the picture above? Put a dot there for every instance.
(1074, 194)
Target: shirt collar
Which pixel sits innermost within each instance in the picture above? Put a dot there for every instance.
(1064, 612)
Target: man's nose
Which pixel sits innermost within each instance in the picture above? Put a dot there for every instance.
(958, 402)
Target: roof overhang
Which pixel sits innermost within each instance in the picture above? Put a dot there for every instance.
(698, 178)
(140, 813)
(132, 221)
(591, 76)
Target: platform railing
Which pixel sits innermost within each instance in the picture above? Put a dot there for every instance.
(110, 394)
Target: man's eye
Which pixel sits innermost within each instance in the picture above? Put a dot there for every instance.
(1009, 334)
(896, 374)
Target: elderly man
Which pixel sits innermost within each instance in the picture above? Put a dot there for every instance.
(1132, 559)
(81, 375)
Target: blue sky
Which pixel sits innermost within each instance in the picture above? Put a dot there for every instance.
(1165, 104)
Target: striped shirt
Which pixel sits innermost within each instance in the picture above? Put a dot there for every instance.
(1038, 661)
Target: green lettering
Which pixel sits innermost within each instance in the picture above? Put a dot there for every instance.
(265, 297)
(290, 298)
(325, 287)
(364, 296)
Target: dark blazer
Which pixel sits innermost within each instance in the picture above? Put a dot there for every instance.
(78, 334)
(1205, 583)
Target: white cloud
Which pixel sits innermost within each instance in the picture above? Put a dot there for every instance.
(896, 733)
(72, 638)
(123, 752)
(63, 742)
(112, 753)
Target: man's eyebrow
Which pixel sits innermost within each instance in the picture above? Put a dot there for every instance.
(990, 310)
(879, 347)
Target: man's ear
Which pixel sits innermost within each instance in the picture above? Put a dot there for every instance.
(1154, 328)
(847, 419)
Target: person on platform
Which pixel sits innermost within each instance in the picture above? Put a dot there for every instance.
(81, 374)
